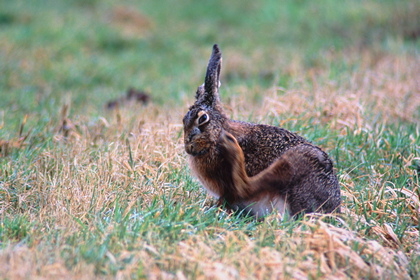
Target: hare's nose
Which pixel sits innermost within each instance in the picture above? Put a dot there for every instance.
(193, 133)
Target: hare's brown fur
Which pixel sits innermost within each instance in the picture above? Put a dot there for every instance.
(284, 179)
(291, 168)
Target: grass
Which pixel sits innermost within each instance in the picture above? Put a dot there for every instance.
(87, 192)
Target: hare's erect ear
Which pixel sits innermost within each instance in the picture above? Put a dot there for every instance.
(210, 96)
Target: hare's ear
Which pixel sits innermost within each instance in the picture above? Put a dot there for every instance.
(210, 96)
(199, 92)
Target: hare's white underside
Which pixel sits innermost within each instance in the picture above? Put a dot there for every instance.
(266, 205)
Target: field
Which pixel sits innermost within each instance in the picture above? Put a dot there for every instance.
(93, 185)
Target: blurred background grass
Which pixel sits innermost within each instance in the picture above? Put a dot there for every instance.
(91, 51)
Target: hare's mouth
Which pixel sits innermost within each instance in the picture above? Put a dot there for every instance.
(191, 151)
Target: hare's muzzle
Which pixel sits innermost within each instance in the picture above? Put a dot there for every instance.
(189, 148)
(192, 149)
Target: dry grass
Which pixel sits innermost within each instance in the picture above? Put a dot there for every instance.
(131, 158)
(381, 84)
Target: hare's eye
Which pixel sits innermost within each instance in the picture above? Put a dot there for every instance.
(203, 119)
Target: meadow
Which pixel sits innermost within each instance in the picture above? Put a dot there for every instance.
(93, 191)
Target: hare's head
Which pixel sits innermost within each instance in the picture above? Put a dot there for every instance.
(203, 122)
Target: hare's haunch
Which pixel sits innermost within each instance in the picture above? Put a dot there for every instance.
(254, 167)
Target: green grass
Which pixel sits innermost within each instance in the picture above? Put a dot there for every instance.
(111, 194)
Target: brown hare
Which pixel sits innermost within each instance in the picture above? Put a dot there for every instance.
(254, 167)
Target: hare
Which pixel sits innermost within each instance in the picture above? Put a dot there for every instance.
(254, 166)
(279, 186)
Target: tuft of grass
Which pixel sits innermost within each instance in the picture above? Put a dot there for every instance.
(15, 230)
(87, 192)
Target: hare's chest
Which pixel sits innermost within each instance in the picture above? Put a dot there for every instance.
(209, 183)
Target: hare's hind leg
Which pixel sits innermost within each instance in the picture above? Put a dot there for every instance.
(314, 186)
